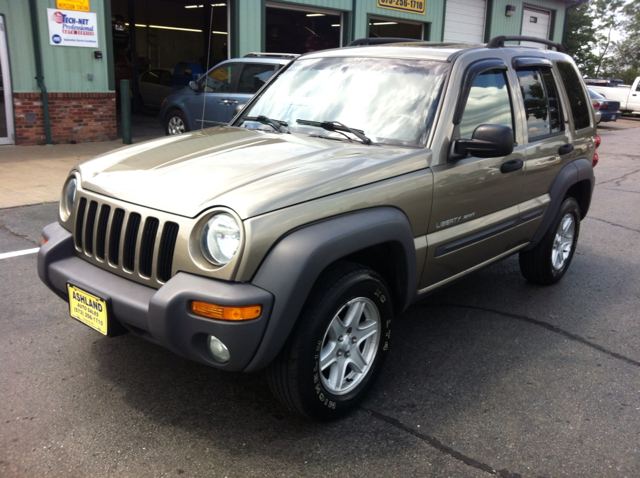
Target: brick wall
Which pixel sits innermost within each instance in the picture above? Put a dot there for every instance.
(74, 117)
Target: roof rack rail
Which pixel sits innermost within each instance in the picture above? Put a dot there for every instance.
(257, 54)
(382, 41)
(498, 42)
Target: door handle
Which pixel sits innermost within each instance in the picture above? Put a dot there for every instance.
(222, 102)
(510, 166)
(232, 102)
(565, 149)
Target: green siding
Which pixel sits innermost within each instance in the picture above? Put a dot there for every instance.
(19, 40)
(250, 26)
(65, 67)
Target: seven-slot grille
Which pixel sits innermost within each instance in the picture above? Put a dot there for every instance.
(125, 241)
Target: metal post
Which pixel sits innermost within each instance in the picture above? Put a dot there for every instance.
(125, 111)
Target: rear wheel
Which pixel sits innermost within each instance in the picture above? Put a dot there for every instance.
(547, 263)
(175, 123)
(338, 346)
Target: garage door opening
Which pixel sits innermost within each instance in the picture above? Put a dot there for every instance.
(390, 27)
(301, 31)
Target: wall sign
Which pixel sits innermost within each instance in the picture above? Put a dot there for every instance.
(410, 6)
(80, 5)
(72, 28)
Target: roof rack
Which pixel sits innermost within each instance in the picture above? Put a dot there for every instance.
(382, 41)
(498, 42)
(257, 54)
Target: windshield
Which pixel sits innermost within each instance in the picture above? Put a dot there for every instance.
(392, 101)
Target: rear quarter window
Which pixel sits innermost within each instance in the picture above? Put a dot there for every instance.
(578, 100)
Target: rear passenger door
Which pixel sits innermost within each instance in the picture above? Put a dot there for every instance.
(252, 77)
(549, 145)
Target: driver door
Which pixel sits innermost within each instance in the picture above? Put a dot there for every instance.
(475, 200)
(212, 99)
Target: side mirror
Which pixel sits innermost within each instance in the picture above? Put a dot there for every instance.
(488, 141)
(193, 86)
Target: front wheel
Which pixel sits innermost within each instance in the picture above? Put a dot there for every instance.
(338, 346)
(547, 263)
(175, 123)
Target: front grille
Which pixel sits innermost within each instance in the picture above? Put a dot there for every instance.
(125, 241)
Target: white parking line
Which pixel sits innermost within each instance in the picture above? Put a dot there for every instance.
(7, 255)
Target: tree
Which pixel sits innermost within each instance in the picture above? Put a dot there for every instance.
(607, 12)
(625, 61)
(580, 38)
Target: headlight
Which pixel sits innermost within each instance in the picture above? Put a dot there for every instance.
(68, 197)
(220, 238)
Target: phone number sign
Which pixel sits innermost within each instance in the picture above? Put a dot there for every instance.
(410, 6)
(80, 5)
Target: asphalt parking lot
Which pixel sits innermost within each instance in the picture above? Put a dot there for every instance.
(492, 376)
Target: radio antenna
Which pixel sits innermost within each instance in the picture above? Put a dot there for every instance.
(204, 97)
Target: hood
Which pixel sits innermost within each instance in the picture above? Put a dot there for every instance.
(249, 171)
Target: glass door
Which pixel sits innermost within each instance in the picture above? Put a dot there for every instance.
(6, 98)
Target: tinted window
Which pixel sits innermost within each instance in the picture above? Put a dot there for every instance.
(578, 102)
(220, 79)
(150, 76)
(253, 77)
(541, 102)
(166, 79)
(488, 103)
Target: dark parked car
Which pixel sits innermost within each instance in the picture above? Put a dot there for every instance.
(219, 92)
(609, 110)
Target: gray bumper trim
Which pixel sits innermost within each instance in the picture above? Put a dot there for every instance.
(161, 315)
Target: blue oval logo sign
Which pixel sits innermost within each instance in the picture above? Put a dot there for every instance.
(56, 39)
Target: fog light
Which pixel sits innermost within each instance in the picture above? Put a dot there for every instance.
(218, 350)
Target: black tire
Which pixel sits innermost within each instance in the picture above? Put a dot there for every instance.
(297, 377)
(175, 123)
(547, 263)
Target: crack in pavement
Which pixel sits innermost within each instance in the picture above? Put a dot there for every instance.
(545, 325)
(621, 178)
(4, 227)
(620, 190)
(612, 224)
(438, 445)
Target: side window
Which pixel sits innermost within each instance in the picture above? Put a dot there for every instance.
(166, 79)
(579, 103)
(220, 79)
(488, 103)
(253, 77)
(150, 77)
(541, 102)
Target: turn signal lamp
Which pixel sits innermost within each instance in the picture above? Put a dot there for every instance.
(222, 312)
(44, 240)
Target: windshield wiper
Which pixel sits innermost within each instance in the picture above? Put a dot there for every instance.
(275, 124)
(337, 126)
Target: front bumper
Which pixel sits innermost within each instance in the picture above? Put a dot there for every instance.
(161, 315)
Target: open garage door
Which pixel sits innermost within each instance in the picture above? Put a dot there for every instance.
(292, 29)
(392, 27)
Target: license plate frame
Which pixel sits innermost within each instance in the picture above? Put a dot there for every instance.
(90, 308)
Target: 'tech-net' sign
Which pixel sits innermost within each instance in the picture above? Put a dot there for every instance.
(72, 28)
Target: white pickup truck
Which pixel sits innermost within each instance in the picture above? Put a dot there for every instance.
(628, 96)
